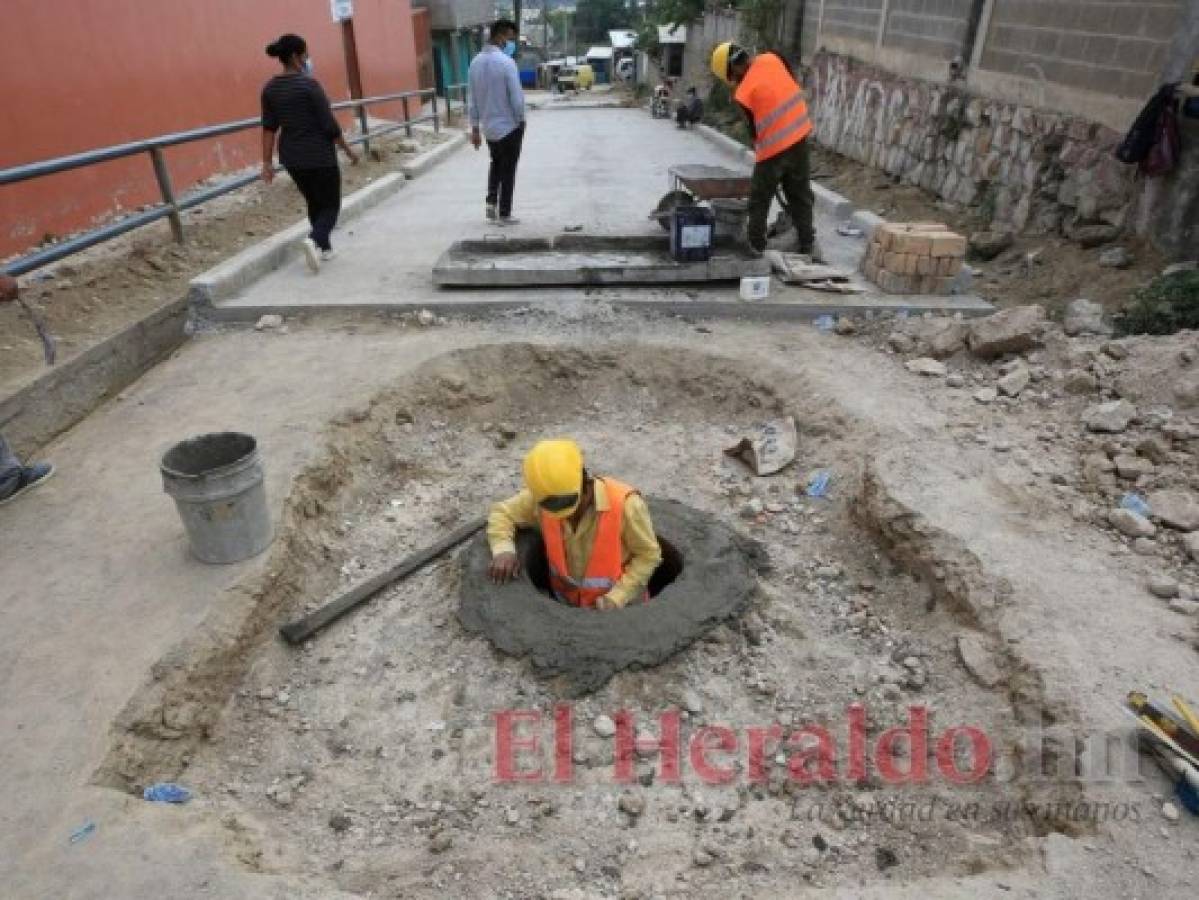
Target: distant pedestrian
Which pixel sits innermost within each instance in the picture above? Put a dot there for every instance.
(691, 110)
(295, 103)
(16, 479)
(497, 113)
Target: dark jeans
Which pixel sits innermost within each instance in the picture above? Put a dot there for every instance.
(501, 179)
(790, 170)
(322, 192)
(10, 469)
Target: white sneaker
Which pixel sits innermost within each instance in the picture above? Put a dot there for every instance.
(491, 212)
(312, 255)
(329, 254)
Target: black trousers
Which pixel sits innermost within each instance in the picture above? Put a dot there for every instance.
(501, 178)
(789, 170)
(322, 192)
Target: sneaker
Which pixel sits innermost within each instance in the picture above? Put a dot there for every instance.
(30, 477)
(329, 254)
(509, 220)
(491, 212)
(312, 255)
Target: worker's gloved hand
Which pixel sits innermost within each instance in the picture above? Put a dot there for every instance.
(606, 602)
(8, 288)
(504, 567)
(476, 138)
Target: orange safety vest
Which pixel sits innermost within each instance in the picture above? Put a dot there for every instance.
(606, 564)
(777, 103)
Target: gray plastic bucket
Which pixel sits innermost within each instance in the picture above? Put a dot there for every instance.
(216, 481)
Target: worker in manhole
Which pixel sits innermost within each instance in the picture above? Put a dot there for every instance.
(773, 102)
(599, 540)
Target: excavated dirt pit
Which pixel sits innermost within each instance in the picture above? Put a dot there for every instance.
(366, 759)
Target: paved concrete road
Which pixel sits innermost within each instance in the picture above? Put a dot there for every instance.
(602, 169)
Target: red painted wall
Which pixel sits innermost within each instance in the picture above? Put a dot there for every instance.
(78, 74)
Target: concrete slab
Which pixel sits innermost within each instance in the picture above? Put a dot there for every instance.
(598, 170)
(585, 259)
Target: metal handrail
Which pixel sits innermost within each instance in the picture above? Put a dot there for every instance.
(449, 93)
(171, 207)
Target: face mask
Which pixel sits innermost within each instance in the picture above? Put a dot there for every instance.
(510, 48)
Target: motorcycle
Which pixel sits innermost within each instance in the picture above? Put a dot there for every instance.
(659, 106)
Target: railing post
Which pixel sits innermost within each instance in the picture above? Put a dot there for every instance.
(364, 126)
(168, 192)
(407, 119)
(436, 117)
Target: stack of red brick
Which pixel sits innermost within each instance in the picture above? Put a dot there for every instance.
(914, 258)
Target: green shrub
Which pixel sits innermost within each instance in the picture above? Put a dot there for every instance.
(1165, 306)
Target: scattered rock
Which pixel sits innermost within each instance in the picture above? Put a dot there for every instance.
(845, 326)
(604, 726)
(986, 245)
(1115, 258)
(978, 660)
(926, 365)
(1163, 588)
(1170, 811)
(441, 842)
(1133, 467)
(1078, 381)
(512, 817)
(1190, 543)
(1109, 418)
(955, 380)
(941, 338)
(702, 858)
(885, 858)
(1129, 523)
(1114, 350)
(1014, 382)
(269, 322)
(901, 343)
(1012, 330)
(1091, 236)
(425, 318)
(693, 703)
(1176, 509)
(1085, 317)
(986, 395)
(1185, 607)
(340, 822)
(631, 805)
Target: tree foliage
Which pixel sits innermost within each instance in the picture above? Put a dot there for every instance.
(595, 18)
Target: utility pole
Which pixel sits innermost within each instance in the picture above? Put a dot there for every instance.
(354, 75)
(545, 27)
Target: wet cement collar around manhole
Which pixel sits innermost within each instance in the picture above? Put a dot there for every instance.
(587, 647)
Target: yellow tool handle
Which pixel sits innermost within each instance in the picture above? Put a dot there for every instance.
(1167, 740)
(1191, 719)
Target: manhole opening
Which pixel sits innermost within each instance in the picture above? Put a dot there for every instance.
(536, 567)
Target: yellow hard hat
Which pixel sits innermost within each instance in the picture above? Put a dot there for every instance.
(720, 61)
(554, 476)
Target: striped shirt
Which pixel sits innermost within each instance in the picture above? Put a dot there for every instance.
(297, 105)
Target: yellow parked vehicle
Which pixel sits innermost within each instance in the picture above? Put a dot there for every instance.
(576, 78)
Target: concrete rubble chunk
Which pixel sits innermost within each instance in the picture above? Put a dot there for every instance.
(986, 245)
(269, 322)
(1112, 417)
(986, 395)
(1014, 382)
(941, 338)
(1190, 543)
(1163, 588)
(1115, 258)
(1085, 317)
(1185, 607)
(1176, 509)
(604, 726)
(1133, 467)
(979, 661)
(926, 366)
(1129, 523)
(1012, 330)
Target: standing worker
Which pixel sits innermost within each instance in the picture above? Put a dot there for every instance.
(295, 102)
(774, 103)
(497, 113)
(599, 539)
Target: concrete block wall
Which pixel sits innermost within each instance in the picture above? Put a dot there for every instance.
(855, 20)
(1116, 47)
(936, 28)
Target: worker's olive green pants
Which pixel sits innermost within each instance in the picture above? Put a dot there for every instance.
(790, 170)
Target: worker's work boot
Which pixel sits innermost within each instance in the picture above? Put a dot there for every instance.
(509, 220)
(814, 251)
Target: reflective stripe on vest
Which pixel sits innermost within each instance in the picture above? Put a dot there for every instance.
(776, 102)
(606, 563)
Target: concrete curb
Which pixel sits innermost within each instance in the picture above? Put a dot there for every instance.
(226, 279)
(66, 394)
(419, 165)
(827, 201)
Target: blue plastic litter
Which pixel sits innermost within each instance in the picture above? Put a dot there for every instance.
(1135, 503)
(824, 323)
(166, 792)
(818, 483)
(84, 831)
(1188, 796)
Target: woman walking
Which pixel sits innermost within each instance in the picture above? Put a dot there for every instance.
(295, 103)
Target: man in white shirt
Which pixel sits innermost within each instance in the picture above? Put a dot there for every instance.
(497, 113)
